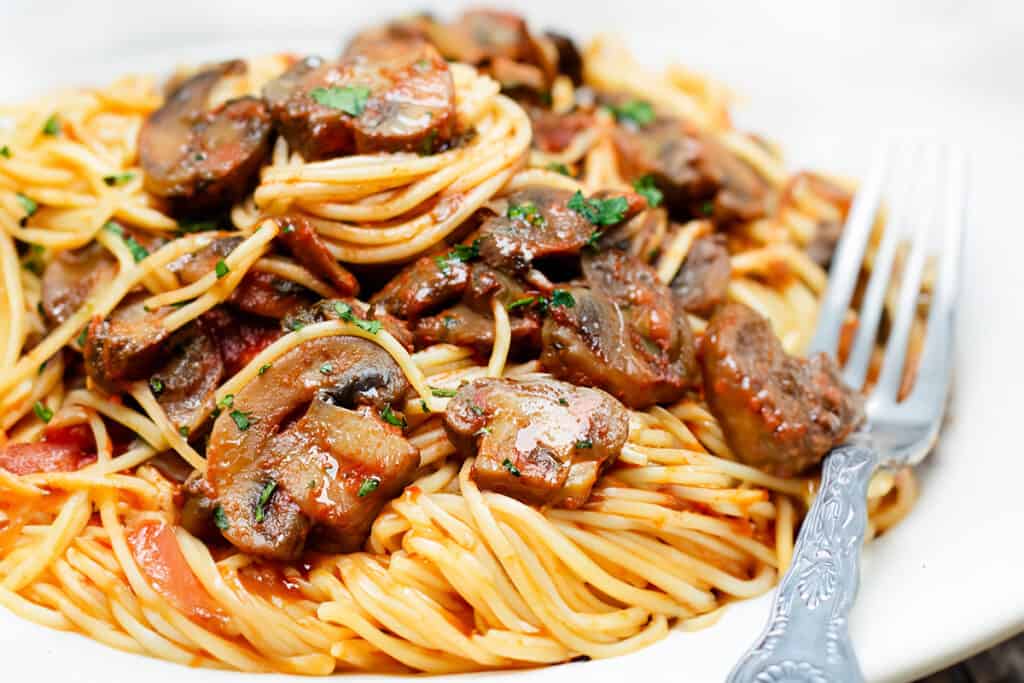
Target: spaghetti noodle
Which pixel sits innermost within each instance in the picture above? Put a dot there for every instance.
(453, 576)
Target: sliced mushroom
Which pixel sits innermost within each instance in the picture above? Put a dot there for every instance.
(72, 276)
(185, 385)
(423, 286)
(275, 476)
(309, 248)
(389, 96)
(622, 332)
(778, 413)
(199, 158)
(464, 326)
(703, 280)
(541, 441)
(126, 345)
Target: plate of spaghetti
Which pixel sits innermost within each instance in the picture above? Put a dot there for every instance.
(459, 346)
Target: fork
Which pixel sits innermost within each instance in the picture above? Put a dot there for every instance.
(807, 637)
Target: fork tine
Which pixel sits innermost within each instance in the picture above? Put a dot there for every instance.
(848, 257)
(891, 375)
(904, 193)
(934, 367)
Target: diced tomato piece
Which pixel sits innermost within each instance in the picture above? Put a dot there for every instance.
(63, 449)
(241, 337)
(160, 558)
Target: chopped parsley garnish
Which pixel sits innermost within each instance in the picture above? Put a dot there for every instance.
(28, 204)
(369, 485)
(707, 208)
(594, 239)
(261, 502)
(295, 325)
(388, 415)
(477, 410)
(528, 212)
(156, 385)
(227, 402)
(118, 178)
(196, 226)
(639, 112)
(263, 368)
(345, 312)
(52, 125)
(560, 297)
(599, 211)
(242, 420)
(646, 188)
(219, 518)
(288, 228)
(183, 430)
(558, 168)
(5, 152)
(563, 401)
(482, 431)
(428, 144)
(424, 406)
(512, 469)
(222, 269)
(42, 367)
(42, 412)
(442, 393)
(138, 251)
(326, 369)
(350, 99)
(460, 252)
(82, 336)
(525, 301)
(584, 443)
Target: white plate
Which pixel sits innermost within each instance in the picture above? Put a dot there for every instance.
(825, 79)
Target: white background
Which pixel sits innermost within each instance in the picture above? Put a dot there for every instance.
(827, 79)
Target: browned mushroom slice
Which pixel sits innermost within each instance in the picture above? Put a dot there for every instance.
(353, 311)
(72, 276)
(185, 385)
(778, 413)
(200, 158)
(703, 280)
(463, 326)
(554, 132)
(126, 345)
(697, 175)
(623, 332)
(570, 61)
(423, 286)
(262, 460)
(390, 96)
(309, 248)
(544, 222)
(541, 441)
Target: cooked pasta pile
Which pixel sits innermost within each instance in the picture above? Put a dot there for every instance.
(453, 577)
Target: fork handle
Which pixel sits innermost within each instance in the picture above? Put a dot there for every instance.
(807, 638)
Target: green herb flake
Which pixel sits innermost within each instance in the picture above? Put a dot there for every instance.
(594, 240)
(646, 188)
(482, 431)
(563, 401)
(599, 211)
(707, 208)
(42, 412)
(242, 420)
(227, 402)
(189, 227)
(638, 112)
(52, 125)
(369, 485)
(261, 502)
(528, 212)
(82, 336)
(477, 410)
(42, 367)
(350, 99)
(28, 204)
(442, 393)
(560, 297)
(518, 303)
(326, 369)
(389, 416)
(118, 178)
(221, 269)
(559, 168)
(5, 152)
(184, 431)
(220, 519)
(584, 443)
(263, 368)
(460, 252)
(156, 385)
(512, 469)
(346, 313)
(371, 326)
(425, 407)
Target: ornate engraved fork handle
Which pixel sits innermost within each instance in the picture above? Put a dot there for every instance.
(807, 639)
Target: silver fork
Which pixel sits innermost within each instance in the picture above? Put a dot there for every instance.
(807, 637)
